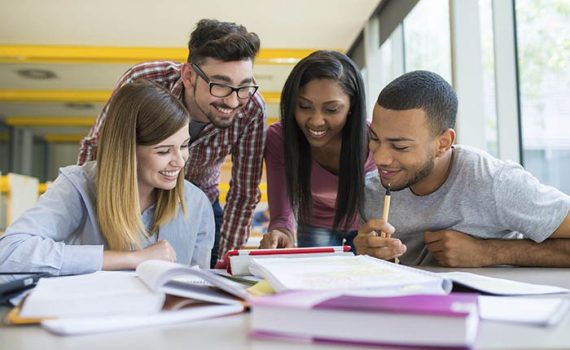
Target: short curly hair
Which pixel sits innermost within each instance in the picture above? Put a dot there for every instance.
(225, 41)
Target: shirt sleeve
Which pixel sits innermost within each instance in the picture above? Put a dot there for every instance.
(525, 205)
(243, 195)
(34, 242)
(280, 212)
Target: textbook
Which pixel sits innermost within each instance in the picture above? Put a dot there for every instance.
(380, 277)
(110, 301)
(185, 281)
(101, 293)
(239, 260)
(442, 321)
(362, 273)
(122, 293)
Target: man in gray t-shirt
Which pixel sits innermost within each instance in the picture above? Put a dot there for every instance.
(452, 205)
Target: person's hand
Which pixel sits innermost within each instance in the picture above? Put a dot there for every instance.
(221, 264)
(161, 250)
(277, 239)
(369, 241)
(456, 249)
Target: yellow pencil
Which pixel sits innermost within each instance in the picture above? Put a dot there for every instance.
(386, 213)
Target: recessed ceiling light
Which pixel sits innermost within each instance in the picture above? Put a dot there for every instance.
(38, 74)
(79, 106)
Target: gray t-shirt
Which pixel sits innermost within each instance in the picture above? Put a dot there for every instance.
(483, 196)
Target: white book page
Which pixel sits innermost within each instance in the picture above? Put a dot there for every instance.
(532, 311)
(76, 326)
(154, 273)
(500, 286)
(99, 293)
(178, 279)
(347, 273)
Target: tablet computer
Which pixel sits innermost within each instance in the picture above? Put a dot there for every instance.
(12, 284)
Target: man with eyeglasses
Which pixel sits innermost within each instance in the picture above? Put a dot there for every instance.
(228, 118)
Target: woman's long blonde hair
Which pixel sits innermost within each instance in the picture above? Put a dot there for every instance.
(140, 113)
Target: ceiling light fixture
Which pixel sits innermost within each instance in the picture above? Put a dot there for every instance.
(38, 74)
(79, 106)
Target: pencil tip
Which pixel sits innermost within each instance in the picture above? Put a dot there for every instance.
(388, 190)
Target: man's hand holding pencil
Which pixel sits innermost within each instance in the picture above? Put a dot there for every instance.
(370, 241)
(384, 247)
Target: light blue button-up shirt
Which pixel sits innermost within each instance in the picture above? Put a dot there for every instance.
(60, 234)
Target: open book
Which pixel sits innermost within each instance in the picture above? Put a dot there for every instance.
(189, 282)
(110, 301)
(365, 275)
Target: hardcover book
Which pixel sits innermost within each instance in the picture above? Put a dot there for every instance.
(412, 320)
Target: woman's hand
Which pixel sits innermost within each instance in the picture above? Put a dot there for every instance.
(117, 260)
(278, 238)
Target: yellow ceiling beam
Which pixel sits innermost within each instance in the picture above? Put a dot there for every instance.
(110, 54)
(271, 97)
(49, 121)
(55, 138)
(12, 95)
(271, 120)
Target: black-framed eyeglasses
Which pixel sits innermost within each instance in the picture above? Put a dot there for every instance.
(224, 90)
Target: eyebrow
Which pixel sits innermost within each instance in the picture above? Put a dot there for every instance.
(400, 139)
(227, 79)
(163, 146)
(326, 102)
(392, 139)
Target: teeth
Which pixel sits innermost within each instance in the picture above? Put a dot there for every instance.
(170, 173)
(224, 110)
(317, 132)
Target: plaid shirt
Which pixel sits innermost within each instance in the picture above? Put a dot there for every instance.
(244, 140)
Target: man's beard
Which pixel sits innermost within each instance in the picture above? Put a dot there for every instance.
(220, 124)
(424, 172)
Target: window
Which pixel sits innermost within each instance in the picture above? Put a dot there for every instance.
(543, 40)
(427, 38)
(488, 63)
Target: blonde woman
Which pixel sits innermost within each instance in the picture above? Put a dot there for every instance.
(132, 204)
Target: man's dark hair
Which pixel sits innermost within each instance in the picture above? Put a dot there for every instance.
(338, 68)
(422, 90)
(224, 41)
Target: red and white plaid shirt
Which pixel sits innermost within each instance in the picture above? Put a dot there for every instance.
(244, 140)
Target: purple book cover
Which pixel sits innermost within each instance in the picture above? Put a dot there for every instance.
(451, 305)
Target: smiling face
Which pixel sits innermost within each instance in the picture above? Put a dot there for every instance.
(158, 166)
(321, 112)
(204, 107)
(405, 150)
